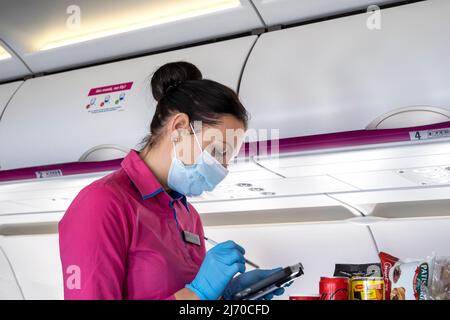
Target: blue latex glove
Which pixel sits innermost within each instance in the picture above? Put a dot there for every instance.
(221, 264)
(247, 279)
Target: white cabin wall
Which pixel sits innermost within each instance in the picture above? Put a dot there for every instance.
(9, 290)
(36, 263)
(317, 246)
(416, 238)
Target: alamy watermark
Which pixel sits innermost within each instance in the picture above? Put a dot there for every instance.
(73, 21)
(73, 280)
(373, 21)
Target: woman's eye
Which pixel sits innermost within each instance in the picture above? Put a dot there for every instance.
(218, 154)
(217, 151)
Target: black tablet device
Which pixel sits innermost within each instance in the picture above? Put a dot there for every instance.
(276, 280)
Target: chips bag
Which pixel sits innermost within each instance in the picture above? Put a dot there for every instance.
(406, 279)
(440, 284)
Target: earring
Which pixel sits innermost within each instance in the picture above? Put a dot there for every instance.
(175, 138)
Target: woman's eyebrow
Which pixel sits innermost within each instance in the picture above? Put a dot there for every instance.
(228, 147)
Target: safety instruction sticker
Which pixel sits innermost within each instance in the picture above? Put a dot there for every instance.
(48, 174)
(108, 98)
(430, 134)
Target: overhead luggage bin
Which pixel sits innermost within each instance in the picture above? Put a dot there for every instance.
(276, 12)
(338, 76)
(6, 92)
(52, 36)
(10, 66)
(59, 118)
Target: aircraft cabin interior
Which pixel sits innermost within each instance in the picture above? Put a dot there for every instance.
(346, 160)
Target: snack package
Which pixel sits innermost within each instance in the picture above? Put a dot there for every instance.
(440, 283)
(357, 270)
(406, 280)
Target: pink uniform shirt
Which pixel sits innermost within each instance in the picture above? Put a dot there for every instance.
(121, 238)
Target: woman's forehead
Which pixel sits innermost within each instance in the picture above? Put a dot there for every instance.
(225, 135)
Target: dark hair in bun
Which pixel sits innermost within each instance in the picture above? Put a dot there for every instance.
(179, 87)
(171, 75)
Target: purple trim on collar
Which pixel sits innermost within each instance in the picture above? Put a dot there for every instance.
(141, 175)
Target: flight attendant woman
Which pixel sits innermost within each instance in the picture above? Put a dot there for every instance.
(132, 234)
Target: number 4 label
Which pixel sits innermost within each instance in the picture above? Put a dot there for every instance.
(429, 134)
(418, 136)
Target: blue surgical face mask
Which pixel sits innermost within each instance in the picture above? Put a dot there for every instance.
(192, 180)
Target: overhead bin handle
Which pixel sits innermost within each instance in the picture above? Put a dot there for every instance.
(104, 152)
(407, 116)
(366, 221)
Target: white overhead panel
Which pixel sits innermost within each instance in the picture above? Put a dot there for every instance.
(51, 35)
(397, 172)
(10, 66)
(338, 75)
(36, 262)
(257, 182)
(247, 188)
(264, 203)
(413, 238)
(289, 11)
(317, 247)
(20, 219)
(322, 210)
(380, 174)
(412, 210)
(395, 195)
(250, 187)
(41, 195)
(60, 118)
(6, 92)
(383, 166)
(9, 289)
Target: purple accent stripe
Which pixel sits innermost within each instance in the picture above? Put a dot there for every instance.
(297, 144)
(339, 140)
(110, 89)
(67, 169)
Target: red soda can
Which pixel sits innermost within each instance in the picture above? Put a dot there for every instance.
(334, 288)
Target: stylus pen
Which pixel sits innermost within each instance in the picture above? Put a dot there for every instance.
(214, 243)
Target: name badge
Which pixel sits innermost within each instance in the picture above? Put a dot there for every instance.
(192, 238)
